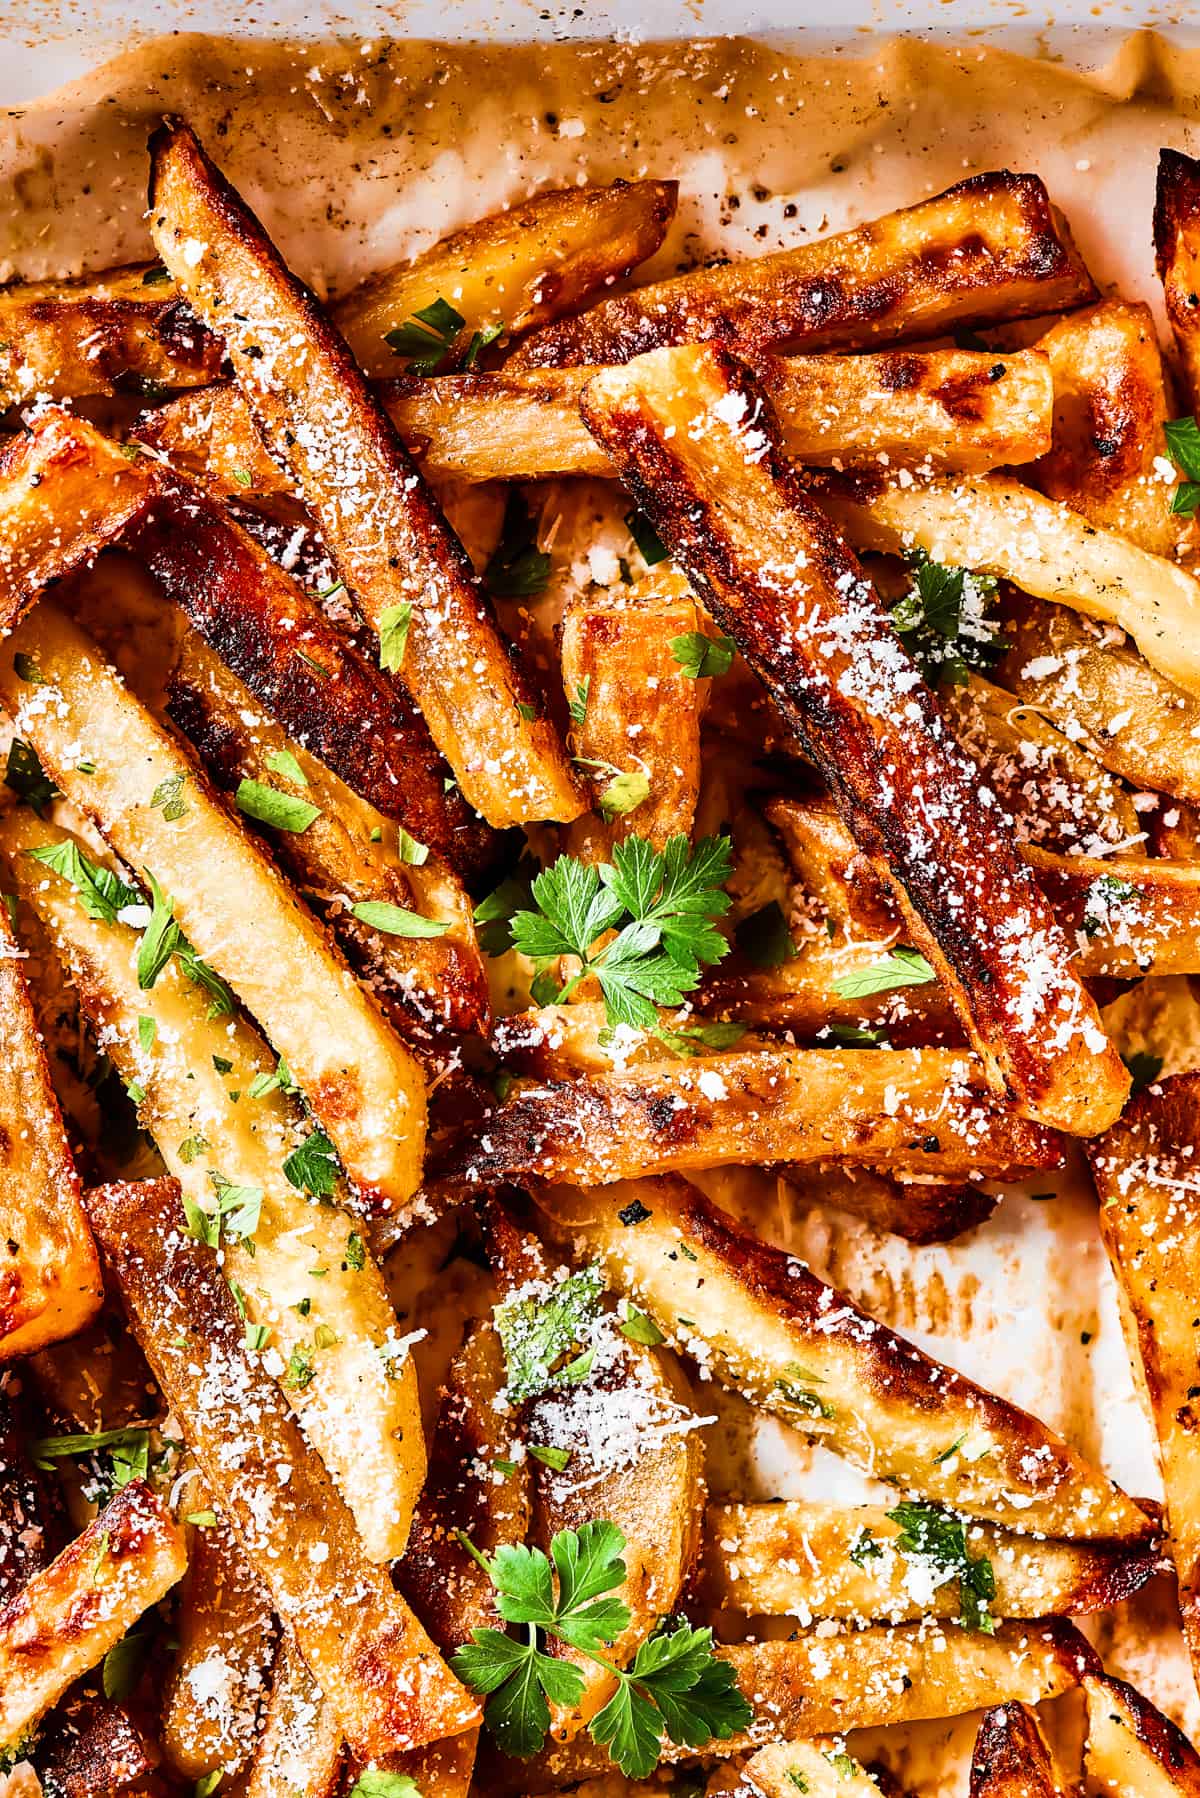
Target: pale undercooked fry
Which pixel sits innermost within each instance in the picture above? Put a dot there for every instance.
(693, 441)
(1132, 1750)
(1177, 256)
(794, 1560)
(160, 813)
(366, 1649)
(65, 491)
(990, 247)
(822, 1768)
(300, 1752)
(67, 1618)
(637, 713)
(995, 526)
(1011, 1759)
(49, 1276)
(513, 270)
(380, 522)
(309, 1279)
(1145, 1173)
(893, 1109)
(759, 1320)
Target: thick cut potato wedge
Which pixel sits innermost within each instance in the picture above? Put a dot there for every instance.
(67, 1618)
(1132, 1750)
(50, 1283)
(306, 1276)
(122, 330)
(65, 492)
(1011, 1759)
(760, 1321)
(893, 1109)
(694, 441)
(300, 1752)
(989, 247)
(1177, 256)
(794, 1560)
(380, 522)
(995, 526)
(369, 1654)
(157, 808)
(1145, 1174)
(513, 270)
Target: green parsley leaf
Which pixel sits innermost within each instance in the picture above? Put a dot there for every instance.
(764, 938)
(702, 657)
(99, 891)
(577, 707)
(282, 761)
(427, 338)
(864, 1548)
(238, 1207)
(202, 1520)
(640, 1328)
(168, 797)
(25, 776)
(393, 635)
(942, 621)
(903, 967)
(844, 1765)
(481, 340)
(160, 939)
(299, 1371)
(411, 853)
(222, 1066)
(794, 1387)
(282, 811)
(624, 793)
(127, 1449)
(690, 1039)
(1144, 1068)
(376, 1784)
(280, 1080)
(122, 1666)
(147, 1031)
(930, 1534)
(257, 1337)
(1183, 445)
(651, 546)
(158, 276)
(27, 670)
(538, 1334)
(494, 914)
(393, 920)
(1186, 497)
(518, 569)
(313, 1167)
(856, 1036)
(356, 1252)
(207, 1784)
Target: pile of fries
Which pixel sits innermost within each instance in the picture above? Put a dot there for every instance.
(484, 757)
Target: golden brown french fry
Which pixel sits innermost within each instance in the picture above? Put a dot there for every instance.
(65, 492)
(157, 808)
(300, 1752)
(50, 1282)
(822, 1768)
(1177, 256)
(891, 1109)
(794, 1560)
(1011, 1759)
(922, 1211)
(1145, 1174)
(512, 270)
(380, 522)
(555, 1042)
(305, 1277)
(693, 440)
(369, 1654)
(441, 1769)
(990, 247)
(119, 330)
(1132, 1750)
(765, 1325)
(800, 995)
(68, 1617)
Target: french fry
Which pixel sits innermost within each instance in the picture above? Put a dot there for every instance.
(66, 1619)
(367, 1651)
(1011, 1759)
(93, 1745)
(794, 1560)
(801, 995)
(556, 1042)
(50, 1282)
(891, 1109)
(990, 247)
(121, 330)
(441, 1769)
(358, 1395)
(1149, 1217)
(921, 1211)
(1132, 1750)
(380, 522)
(1177, 256)
(300, 1753)
(822, 1768)
(158, 810)
(277, 640)
(513, 270)
(637, 713)
(995, 526)
(65, 492)
(762, 1323)
(692, 440)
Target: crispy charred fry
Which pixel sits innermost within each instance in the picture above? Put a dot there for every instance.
(767, 1326)
(369, 1653)
(693, 441)
(1132, 1750)
(68, 1616)
(276, 639)
(513, 270)
(50, 1282)
(996, 526)
(94, 1746)
(772, 1105)
(794, 1560)
(821, 1768)
(636, 712)
(300, 1752)
(1011, 1759)
(380, 522)
(989, 247)
(65, 492)
(1145, 1174)
(1177, 256)
(358, 1394)
(158, 810)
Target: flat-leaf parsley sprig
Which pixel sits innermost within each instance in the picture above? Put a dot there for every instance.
(661, 905)
(674, 1683)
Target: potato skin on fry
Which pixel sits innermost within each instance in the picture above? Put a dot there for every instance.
(1132, 1750)
(1177, 256)
(1011, 1759)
